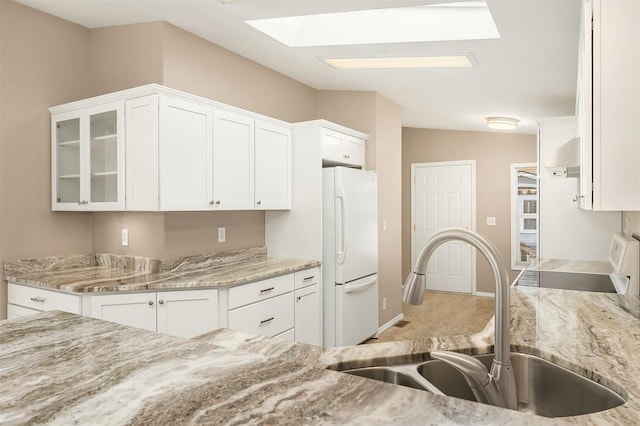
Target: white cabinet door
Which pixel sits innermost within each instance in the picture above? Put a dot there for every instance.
(353, 149)
(339, 148)
(141, 132)
(185, 155)
(272, 166)
(88, 159)
(187, 313)
(610, 177)
(233, 137)
(308, 315)
(332, 142)
(133, 309)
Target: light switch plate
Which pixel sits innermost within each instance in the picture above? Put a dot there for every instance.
(222, 234)
(491, 221)
(125, 237)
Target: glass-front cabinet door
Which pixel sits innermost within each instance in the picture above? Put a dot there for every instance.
(88, 160)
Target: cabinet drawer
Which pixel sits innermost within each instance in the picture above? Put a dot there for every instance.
(43, 300)
(260, 290)
(268, 318)
(15, 311)
(307, 277)
(288, 335)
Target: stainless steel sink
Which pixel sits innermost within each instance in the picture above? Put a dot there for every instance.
(401, 375)
(543, 388)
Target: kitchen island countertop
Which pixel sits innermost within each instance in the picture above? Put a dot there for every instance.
(61, 368)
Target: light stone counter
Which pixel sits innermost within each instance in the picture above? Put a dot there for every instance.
(61, 369)
(110, 273)
(565, 265)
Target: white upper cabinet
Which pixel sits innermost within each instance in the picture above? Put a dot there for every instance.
(142, 191)
(88, 158)
(610, 142)
(272, 166)
(233, 159)
(186, 132)
(181, 152)
(342, 149)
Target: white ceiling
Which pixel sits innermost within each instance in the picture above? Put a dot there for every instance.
(529, 73)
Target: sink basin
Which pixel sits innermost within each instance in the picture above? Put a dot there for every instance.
(403, 375)
(543, 388)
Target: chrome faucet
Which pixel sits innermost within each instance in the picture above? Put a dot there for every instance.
(498, 386)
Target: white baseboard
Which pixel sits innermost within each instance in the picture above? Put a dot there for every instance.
(484, 294)
(389, 324)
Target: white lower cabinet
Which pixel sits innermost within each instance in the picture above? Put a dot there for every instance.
(286, 307)
(186, 313)
(25, 300)
(307, 315)
(133, 309)
(268, 317)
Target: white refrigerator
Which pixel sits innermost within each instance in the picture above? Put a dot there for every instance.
(349, 255)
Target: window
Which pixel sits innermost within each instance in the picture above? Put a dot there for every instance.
(524, 214)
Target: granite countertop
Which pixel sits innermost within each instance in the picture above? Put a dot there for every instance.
(91, 273)
(60, 368)
(565, 265)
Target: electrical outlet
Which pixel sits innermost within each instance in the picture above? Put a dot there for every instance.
(491, 221)
(384, 225)
(125, 237)
(222, 234)
(384, 303)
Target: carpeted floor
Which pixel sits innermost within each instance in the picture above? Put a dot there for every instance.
(441, 314)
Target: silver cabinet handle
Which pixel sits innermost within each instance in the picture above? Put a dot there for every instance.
(258, 202)
(265, 321)
(150, 302)
(307, 279)
(83, 202)
(217, 202)
(266, 290)
(161, 302)
(211, 202)
(38, 299)
(305, 295)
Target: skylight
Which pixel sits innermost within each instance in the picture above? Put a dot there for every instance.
(469, 20)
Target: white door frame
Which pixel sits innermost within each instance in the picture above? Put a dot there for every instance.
(471, 163)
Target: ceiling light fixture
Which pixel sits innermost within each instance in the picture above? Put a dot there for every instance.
(459, 61)
(502, 123)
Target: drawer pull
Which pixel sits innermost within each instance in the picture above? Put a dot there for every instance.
(307, 279)
(305, 295)
(37, 299)
(266, 290)
(266, 320)
(161, 301)
(150, 302)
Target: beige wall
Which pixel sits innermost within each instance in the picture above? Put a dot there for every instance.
(493, 152)
(44, 61)
(125, 56)
(181, 60)
(389, 166)
(197, 66)
(381, 119)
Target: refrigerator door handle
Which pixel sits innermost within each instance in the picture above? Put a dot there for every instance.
(342, 253)
(352, 288)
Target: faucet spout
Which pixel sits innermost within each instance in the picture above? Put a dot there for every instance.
(496, 387)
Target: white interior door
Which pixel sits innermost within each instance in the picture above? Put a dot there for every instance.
(443, 197)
